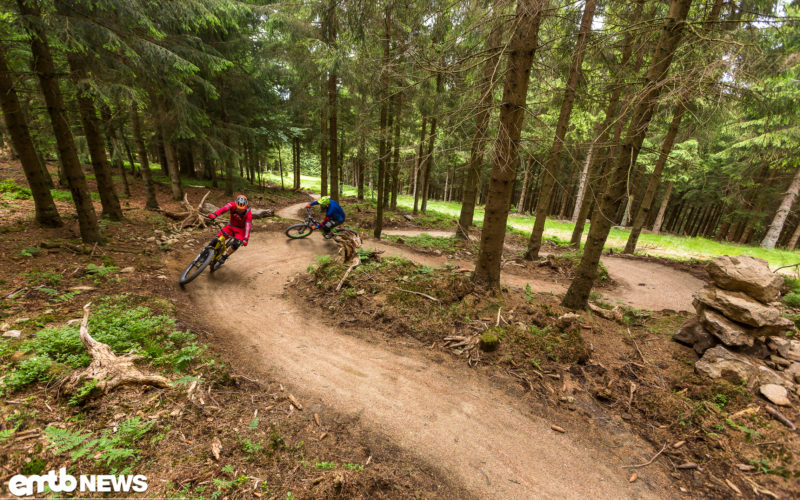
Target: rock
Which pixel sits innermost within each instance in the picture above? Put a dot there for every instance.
(786, 348)
(777, 394)
(768, 376)
(151, 239)
(566, 320)
(408, 217)
(727, 331)
(12, 334)
(793, 372)
(741, 308)
(746, 274)
(782, 362)
(720, 363)
(758, 350)
(127, 270)
(4, 327)
(693, 334)
(82, 288)
(21, 320)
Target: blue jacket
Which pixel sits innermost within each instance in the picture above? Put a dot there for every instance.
(334, 212)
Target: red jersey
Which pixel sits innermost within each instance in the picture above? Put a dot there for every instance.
(238, 220)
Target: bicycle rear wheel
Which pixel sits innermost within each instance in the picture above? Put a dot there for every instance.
(194, 269)
(298, 231)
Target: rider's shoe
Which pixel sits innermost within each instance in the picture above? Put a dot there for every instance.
(223, 259)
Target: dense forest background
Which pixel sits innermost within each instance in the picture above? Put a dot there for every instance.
(667, 116)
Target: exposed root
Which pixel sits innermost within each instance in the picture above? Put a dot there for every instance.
(109, 370)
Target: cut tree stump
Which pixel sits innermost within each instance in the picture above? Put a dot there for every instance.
(109, 370)
(349, 244)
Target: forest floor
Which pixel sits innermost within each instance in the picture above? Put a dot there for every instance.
(667, 246)
(366, 392)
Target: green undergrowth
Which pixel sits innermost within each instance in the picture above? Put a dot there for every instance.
(128, 324)
(402, 298)
(428, 242)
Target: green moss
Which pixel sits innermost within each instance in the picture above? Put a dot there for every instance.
(792, 300)
(489, 341)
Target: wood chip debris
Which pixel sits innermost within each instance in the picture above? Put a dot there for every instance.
(558, 428)
(216, 447)
(633, 477)
(295, 402)
(687, 466)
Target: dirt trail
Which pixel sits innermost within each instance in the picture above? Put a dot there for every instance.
(447, 414)
(640, 284)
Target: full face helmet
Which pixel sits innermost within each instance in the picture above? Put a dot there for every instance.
(241, 202)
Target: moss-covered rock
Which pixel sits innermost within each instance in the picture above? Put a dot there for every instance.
(489, 341)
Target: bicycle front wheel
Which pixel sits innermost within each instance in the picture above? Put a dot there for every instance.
(194, 269)
(298, 231)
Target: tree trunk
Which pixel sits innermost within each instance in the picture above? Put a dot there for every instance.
(525, 181)
(521, 48)
(577, 295)
(383, 119)
(94, 140)
(396, 156)
(655, 178)
(582, 184)
(663, 209)
(151, 203)
(46, 211)
(333, 131)
(387, 177)
(323, 143)
(229, 175)
(486, 89)
(112, 140)
(432, 141)
(172, 168)
(46, 72)
(280, 164)
(792, 244)
(551, 167)
(775, 228)
(362, 153)
(419, 163)
(612, 115)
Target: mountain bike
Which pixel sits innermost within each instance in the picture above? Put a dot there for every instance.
(210, 255)
(304, 229)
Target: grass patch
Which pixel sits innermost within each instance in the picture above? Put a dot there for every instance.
(11, 191)
(428, 242)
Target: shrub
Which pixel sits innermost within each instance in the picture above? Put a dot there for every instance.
(11, 191)
(792, 299)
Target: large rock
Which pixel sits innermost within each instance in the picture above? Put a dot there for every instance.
(746, 274)
(776, 394)
(786, 348)
(720, 363)
(741, 308)
(794, 372)
(769, 376)
(693, 334)
(728, 332)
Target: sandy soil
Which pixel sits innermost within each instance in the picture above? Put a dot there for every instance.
(449, 415)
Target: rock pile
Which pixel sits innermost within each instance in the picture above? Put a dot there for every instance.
(739, 330)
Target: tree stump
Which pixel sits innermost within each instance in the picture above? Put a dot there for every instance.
(349, 244)
(109, 370)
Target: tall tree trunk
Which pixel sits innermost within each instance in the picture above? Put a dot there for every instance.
(396, 156)
(655, 178)
(792, 244)
(521, 48)
(387, 178)
(577, 295)
(432, 142)
(362, 153)
(332, 91)
(229, 166)
(384, 132)
(114, 148)
(419, 162)
(776, 226)
(46, 211)
(151, 203)
(280, 164)
(323, 142)
(94, 140)
(525, 183)
(663, 209)
(172, 168)
(613, 115)
(486, 88)
(582, 184)
(46, 72)
(551, 167)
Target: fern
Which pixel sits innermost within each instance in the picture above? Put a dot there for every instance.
(63, 440)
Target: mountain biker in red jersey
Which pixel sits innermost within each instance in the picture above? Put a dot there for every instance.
(239, 226)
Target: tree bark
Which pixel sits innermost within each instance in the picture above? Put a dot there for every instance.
(114, 148)
(46, 72)
(577, 295)
(419, 163)
(486, 88)
(776, 226)
(46, 211)
(387, 177)
(94, 140)
(525, 183)
(582, 183)
(383, 121)
(396, 157)
(362, 152)
(792, 244)
(323, 143)
(521, 49)
(663, 209)
(151, 203)
(332, 128)
(432, 141)
(172, 168)
(655, 178)
(551, 167)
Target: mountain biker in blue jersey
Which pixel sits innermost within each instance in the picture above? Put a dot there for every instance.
(333, 216)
